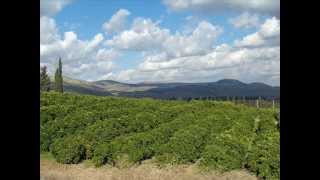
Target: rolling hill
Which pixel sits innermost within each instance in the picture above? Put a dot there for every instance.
(225, 87)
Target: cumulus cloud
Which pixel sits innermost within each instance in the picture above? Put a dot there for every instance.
(247, 65)
(268, 35)
(89, 71)
(245, 20)
(82, 59)
(51, 7)
(263, 6)
(107, 54)
(48, 30)
(223, 62)
(146, 35)
(246, 60)
(190, 55)
(117, 22)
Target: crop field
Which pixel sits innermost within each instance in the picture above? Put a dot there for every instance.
(126, 132)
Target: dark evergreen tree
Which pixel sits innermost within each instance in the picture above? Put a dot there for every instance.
(58, 78)
(44, 79)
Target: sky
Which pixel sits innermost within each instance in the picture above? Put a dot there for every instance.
(162, 40)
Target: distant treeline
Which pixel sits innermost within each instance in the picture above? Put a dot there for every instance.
(225, 98)
(256, 101)
(265, 102)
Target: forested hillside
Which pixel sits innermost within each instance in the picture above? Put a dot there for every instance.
(215, 135)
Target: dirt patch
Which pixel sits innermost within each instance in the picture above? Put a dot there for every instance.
(50, 170)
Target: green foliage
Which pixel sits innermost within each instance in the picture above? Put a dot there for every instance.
(220, 135)
(264, 157)
(102, 154)
(44, 79)
(58, 79)
(187, 144)
(68, 150)
(221, 158)
(224, 154)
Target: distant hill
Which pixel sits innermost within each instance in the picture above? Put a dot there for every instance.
(83, 87)
(225, 87)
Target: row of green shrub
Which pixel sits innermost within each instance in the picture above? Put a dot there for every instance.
(219, 135)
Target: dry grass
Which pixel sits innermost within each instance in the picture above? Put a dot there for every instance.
(50, 170)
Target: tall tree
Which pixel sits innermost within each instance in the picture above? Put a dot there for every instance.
(58, 78)
(44, 79)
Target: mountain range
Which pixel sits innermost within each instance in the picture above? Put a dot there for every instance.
(221, 88)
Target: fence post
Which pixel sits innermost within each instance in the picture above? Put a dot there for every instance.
(260, 102)
(273, 104)
(257, 103)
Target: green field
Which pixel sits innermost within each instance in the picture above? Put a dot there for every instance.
(213, 135)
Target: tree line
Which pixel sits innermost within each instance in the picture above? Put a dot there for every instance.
(45, 82)
(224, 98)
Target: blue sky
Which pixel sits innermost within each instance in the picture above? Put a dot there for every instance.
(86, 18)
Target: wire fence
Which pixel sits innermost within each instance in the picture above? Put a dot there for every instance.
(258, 103)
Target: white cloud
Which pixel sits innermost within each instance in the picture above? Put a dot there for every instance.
(271, 27)
(245, 20)
(82, 59)
(146, 35)
(48, 30)
(143, 35)
(107, 54)
(189, 55)
(96, 41)
(51, 7)
(117, 22)
(89, 71)
(248, 65)
(263, 6)
(254, 58)
(268, 34)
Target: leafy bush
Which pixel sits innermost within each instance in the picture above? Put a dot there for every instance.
(68, 150)
(187, 144)
(139, 148)
(221, 158)
(222, 135)
(264, 158)
(102, 154)
(225, 153)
